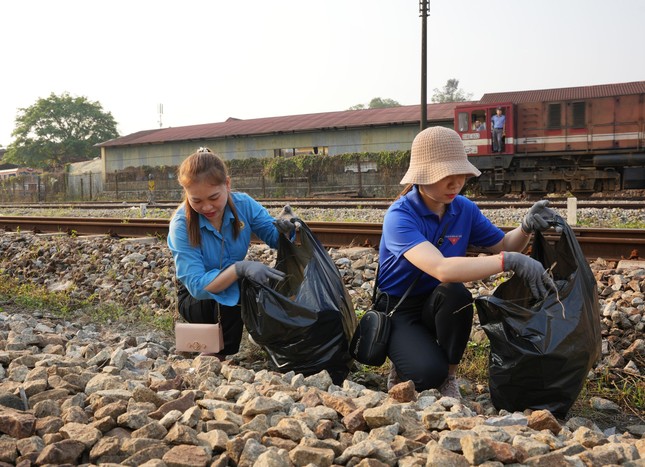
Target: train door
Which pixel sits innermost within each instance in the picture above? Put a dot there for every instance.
(502, 129)
(603, 124)
(555, 126)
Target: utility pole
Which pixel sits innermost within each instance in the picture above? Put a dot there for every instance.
(424, 12)
(160, 110)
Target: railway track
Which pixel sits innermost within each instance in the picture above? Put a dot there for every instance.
(338, 203)
(610, 244)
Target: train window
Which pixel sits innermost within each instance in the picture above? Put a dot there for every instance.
(578, 115)
(463, 121)
(290, 152)
(554, 116)
(479, 121)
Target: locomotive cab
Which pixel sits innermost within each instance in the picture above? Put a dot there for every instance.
(475, 125)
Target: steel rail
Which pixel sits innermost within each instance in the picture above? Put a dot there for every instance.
(112, 226)
(331, 203)
(595, 242)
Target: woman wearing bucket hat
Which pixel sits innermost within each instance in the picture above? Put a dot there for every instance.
(426, 233)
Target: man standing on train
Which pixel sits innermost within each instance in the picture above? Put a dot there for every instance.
(499, 130)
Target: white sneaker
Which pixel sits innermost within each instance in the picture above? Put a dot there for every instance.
(450, 387)
(393, 378)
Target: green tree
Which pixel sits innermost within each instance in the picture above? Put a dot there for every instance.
(376, 103)
(450, 93)
(59, 130)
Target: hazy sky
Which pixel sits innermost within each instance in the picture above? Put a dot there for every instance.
(207, 60)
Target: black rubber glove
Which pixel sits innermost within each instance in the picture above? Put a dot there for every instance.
(284, 226)
(258, 272)
(529, 270)
(539, 217)
(283, 222)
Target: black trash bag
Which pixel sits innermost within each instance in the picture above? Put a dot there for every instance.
(304, 322)
(542, 350)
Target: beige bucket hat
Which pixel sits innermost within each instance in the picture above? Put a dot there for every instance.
(437, 152)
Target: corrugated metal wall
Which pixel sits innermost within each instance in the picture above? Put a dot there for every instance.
(390, 138)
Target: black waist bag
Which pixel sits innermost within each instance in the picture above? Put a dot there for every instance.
(369, 343)
(542, 350)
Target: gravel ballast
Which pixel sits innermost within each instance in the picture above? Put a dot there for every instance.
(74, 391)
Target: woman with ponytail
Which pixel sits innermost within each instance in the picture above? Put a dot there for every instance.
(209, 238)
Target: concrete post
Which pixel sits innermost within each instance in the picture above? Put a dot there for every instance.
(572, 211)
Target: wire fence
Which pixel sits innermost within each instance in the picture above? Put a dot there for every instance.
(163, 185)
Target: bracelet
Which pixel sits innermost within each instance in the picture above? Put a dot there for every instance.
(501, 256)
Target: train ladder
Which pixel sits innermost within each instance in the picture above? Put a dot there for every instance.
(498, 177)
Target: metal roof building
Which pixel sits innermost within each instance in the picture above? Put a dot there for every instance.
(327, 133)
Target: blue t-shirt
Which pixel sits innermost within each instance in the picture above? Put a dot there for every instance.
(198, 266)
(409, 222)
(498, 121)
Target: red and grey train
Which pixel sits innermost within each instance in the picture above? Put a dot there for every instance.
(582, 140)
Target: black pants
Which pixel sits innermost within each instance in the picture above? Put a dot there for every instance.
(205, 311)
(429, 333)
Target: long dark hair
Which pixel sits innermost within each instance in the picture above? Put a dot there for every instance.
(203, 166)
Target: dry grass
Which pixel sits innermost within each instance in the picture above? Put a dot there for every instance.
(625, 389)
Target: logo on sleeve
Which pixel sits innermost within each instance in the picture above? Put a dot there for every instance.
(453, 238)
